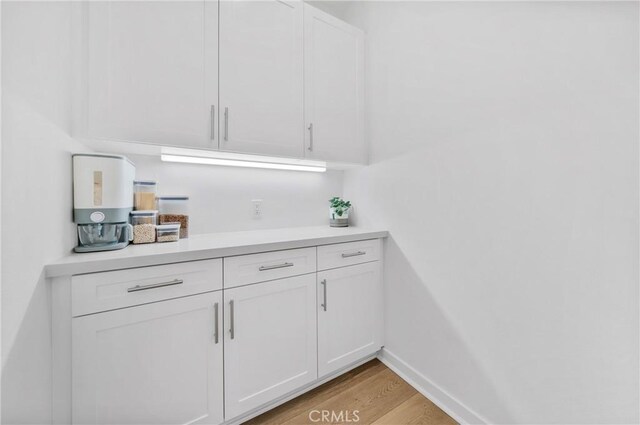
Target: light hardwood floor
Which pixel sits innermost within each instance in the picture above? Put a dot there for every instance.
(379, 396)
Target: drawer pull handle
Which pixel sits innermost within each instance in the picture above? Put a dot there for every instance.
(354, 254)
(277, 266)
(155, 285)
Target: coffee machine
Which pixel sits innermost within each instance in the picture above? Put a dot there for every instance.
(102, 201)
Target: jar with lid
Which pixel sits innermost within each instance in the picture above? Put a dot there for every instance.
(175, 209)
(168, 232)
(144, 195)
(144, 226)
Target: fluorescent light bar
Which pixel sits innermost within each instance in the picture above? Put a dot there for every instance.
(194, 156)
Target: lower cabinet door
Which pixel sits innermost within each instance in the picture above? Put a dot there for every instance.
(158, 363)
(349, 315)
(270, 341)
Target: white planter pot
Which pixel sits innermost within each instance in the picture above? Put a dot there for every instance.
(336, 220)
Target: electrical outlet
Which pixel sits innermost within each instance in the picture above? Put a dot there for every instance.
(257, 208)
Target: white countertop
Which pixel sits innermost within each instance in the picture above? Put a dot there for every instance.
(213, 245)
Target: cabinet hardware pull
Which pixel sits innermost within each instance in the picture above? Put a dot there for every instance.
(155, 285)
(226, 123)
(310, 137)
(323, 282)
(277, 266)
(213, 122)
(215, 323)
(354, 254)
(232, 329)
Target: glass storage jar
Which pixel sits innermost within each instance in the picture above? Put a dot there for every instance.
(168, 232)
(144, 195)
(175, 209)
(144, 226)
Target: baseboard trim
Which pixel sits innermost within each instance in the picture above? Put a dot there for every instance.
(445, 401)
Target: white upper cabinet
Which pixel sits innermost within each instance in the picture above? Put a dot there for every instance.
(151, 72)
(334, 89)
(267, 77)
(261, 77)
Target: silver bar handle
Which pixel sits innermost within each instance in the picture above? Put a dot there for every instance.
(354, 254)
(213, 122)
(323, 282)
(155, 285)
(232, 327)
(215, 323)
(310, 128)
(277, 266)
(226, 123)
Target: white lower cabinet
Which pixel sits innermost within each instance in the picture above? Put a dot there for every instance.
(270, 341)
(349, 315)
(158, 363)
(147, 346)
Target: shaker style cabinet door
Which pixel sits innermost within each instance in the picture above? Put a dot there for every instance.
(349, 315)
(151, 72)
(261, 77)
(270, 341)
(159, 363)
(334, 89)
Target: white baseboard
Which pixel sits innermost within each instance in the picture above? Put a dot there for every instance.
(445, 401)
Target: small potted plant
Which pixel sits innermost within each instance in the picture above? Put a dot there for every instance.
(339, 212)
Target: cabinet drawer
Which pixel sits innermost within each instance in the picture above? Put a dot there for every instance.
(246, 269)
(347, 254)
(92, 293)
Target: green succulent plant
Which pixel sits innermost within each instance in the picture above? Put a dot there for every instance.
(339, 205)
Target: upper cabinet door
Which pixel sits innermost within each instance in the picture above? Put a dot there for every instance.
(261, 77)
(152, 72)
(334, 89)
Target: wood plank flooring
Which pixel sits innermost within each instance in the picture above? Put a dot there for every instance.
(371, 393)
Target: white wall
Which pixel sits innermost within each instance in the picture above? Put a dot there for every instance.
(505, 165)
(36, 195)
(220, 197)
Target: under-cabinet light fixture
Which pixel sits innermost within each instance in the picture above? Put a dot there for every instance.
(196, 156)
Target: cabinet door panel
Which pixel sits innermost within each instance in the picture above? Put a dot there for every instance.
(152, 71)
(334, 88)
(350, 327)
(157, 363)
(273, 349)
(261, 77)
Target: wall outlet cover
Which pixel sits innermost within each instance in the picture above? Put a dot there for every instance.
(257, 208)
